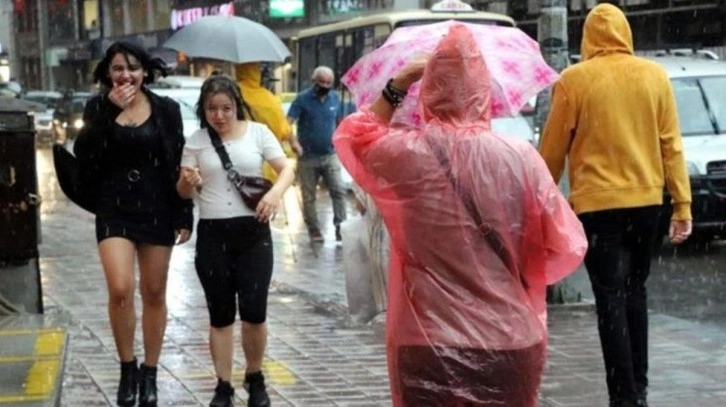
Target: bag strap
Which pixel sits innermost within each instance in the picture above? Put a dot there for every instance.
(490, 235)
(221, 151)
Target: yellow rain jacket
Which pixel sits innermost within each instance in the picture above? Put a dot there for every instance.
(266, 107)
(614, 115)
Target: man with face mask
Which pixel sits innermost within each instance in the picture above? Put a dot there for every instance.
(317, 111)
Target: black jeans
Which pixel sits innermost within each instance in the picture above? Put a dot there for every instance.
(618, 262)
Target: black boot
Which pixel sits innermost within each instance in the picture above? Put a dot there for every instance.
(255, 386)
(222, 395)
(147, 386)
(126, 394)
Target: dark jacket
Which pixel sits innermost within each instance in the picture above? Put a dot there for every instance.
(90, 148)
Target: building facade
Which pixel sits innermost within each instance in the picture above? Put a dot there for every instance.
(56, 43)
(656, 24)
(8, 60)
(28, 56)
(62, 45)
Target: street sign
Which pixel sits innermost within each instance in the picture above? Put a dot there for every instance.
(287, 8)
(449, 6)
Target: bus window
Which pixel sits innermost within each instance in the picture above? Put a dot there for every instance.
(307, 60)
(339, 45)
(326, 51)
(382, 31)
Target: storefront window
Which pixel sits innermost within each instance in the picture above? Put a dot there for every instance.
(162, 14)
(116, 8)
(60, 22)
(139, 13)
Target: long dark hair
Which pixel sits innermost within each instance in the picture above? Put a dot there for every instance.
(220, 83)
(152, 66)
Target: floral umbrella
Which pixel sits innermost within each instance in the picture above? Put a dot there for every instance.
(514, 60)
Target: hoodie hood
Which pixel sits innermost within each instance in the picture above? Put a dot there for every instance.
(456, 87)
(249, 75)
(606, 31)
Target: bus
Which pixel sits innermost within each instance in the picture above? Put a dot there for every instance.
(339, 45)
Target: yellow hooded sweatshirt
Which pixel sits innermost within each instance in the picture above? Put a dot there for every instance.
(614, 115)
(266, 108)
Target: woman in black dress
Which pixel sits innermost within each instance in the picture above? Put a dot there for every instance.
(129, 152)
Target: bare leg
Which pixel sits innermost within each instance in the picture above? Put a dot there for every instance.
(117, 257)
(221, 345)
(153, 270)
(254, 341)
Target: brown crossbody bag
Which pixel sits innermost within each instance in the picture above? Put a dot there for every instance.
(251, 189)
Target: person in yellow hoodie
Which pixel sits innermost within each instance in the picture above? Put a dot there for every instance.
(265, 108)
(614, 117)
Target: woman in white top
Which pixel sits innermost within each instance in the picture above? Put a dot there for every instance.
(234, 245)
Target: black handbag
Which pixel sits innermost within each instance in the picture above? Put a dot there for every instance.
(68, 172)
(251, 189)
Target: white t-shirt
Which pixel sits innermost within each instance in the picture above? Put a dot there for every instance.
(218, 198)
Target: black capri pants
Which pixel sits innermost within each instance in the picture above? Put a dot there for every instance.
(234, 264)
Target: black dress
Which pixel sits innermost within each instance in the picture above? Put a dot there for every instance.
(135, 201)
(127, 176)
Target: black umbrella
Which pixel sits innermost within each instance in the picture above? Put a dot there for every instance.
(68, 171)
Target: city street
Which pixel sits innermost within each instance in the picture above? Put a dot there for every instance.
(315, 358)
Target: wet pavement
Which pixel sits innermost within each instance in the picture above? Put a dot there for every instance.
(315, 358)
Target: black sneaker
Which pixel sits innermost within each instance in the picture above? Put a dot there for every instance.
(255, 386)
(338, 236)
(223, 395)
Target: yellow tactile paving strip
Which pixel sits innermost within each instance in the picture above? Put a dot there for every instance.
(43, 376)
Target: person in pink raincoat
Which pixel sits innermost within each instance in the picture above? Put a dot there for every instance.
(478, 230)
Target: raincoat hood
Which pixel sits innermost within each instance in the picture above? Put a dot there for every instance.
(456, 85)
(249, 75)
(266, 108)
(606, 31)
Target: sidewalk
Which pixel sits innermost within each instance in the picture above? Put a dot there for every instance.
(314, 358)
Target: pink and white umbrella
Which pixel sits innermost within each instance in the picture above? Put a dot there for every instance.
(514, 60)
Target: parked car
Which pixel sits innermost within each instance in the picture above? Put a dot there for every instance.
(68, 116)
(187, 98)
(11, 89)
(179, 82)
(699, 86)
(44, 118)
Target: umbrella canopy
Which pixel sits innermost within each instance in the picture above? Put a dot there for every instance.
(518, 71)
(232, 39)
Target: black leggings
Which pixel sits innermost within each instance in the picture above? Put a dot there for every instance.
(234, 263)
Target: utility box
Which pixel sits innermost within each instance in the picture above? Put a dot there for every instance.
(20, 289)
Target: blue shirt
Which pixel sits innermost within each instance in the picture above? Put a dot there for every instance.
(316, 121)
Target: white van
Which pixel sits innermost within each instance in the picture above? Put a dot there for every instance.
(700, 91)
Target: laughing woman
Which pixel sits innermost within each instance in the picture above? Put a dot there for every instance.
(129, 152)
(234, 245)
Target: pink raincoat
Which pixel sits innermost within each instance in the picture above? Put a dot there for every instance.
(463, 327)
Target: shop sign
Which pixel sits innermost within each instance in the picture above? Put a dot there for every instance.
(336, 7)
(287, 8)
(182, 17)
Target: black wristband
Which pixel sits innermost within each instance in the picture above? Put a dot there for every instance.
(393, 95)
